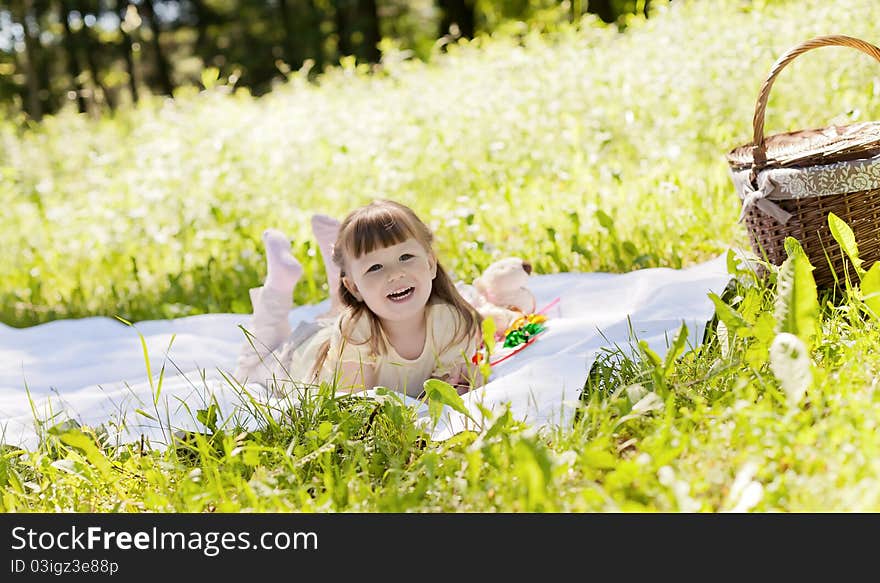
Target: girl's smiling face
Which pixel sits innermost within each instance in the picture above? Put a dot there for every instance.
(395, 282)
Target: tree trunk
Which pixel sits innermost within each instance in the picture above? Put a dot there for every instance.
(73, 68)
(368, 21)
(162, 67)
(33, 106)
(358, 16)
(128, 53)
(461, 14)
(93, 47)
(343, 27)
(315, 44)
(202, 16)
(603, 9)
(294, 59)
(128, 50)
(43, 60)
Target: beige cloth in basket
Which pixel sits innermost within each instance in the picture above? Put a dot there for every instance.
(789, 183)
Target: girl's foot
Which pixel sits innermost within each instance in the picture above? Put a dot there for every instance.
(326, 230)
(282, 270)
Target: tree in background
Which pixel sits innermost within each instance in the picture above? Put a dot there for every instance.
(129, 20)
(458, 15)
(357, 29)
(163, 69)
(24, 13)
(70, 44)
(611, 10)
(97, 65)
(96, 54)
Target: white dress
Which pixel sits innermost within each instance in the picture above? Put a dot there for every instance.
(313, 353)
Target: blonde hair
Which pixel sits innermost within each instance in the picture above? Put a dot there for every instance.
(381, 224)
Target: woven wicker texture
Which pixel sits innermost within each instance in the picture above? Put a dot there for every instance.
(813, 147)
(805, 148)
(809, 225)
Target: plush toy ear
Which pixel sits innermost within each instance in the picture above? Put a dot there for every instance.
(480, 284)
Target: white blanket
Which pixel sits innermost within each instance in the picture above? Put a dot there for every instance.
(93, 370)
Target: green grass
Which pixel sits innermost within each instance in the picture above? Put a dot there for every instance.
(582, 150)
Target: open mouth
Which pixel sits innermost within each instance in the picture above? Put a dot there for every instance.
(401, 295)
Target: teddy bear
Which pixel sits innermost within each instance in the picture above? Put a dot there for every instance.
(501, 292)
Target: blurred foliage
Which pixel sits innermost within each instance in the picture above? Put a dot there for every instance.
(98, 54)
(520, 144)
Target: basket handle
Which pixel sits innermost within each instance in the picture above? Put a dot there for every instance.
(759, 148)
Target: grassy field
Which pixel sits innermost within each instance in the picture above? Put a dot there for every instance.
(582, 150)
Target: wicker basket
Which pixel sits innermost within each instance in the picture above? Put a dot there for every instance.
(790, 182)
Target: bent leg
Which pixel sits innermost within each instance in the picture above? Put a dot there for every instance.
(269, 326)
(326, 230)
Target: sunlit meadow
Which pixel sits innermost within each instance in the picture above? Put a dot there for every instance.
(582, 150)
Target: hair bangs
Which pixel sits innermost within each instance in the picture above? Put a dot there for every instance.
(380, 228)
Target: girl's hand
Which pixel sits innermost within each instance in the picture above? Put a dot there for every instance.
(460, 385)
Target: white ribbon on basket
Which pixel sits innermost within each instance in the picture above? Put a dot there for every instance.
(759, 199)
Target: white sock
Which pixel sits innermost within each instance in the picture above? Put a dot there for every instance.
(282, 270)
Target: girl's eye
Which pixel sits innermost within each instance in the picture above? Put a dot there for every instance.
(406, 257)
(374, 267)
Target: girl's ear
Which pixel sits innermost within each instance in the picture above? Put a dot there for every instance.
(432, 265)
(352, 288)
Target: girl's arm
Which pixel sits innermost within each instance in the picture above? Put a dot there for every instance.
(463, 378)
(355, 377)
(354, 366)
(454, 363)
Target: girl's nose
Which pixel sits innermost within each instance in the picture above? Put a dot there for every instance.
(394, 273)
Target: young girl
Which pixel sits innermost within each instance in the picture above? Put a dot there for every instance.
(396, 318)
